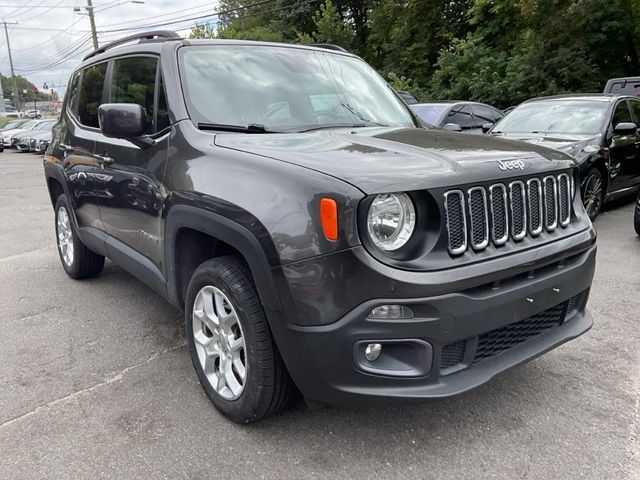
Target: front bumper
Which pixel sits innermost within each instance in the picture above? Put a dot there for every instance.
(456, 340)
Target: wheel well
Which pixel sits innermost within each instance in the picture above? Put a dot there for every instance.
(193, 247)
(55, 189)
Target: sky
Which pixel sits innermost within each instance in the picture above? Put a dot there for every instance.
(50, 39)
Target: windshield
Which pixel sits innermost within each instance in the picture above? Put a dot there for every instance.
(12, 125)
(285, 89)
(578, 117)
(44, 125)
(430, 113)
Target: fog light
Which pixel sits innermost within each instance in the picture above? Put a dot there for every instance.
(390, 312)
(373, 351)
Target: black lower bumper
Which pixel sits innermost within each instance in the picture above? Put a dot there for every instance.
(453, 343)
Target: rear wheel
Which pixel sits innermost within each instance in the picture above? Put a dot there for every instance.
(636, 217)
(77, 260)
(592, 190)
(232, 350)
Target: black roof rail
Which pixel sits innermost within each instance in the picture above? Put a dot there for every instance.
(142, 37)
(329, 46)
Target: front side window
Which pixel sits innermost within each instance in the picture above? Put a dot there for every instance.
(133, 81)
(635, 107)
(285, 89)
(460, 116)
(486, 114)
(621, 114)
(91, 94)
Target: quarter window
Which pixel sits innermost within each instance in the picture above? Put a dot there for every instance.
(162, 115)
(91, 94)
(72, 102)
(134, 80)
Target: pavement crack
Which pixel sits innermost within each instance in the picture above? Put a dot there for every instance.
(119, 376)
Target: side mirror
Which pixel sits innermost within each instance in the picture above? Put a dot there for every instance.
(625, 128)
(124, 120)
(454, 127)
(486, 127)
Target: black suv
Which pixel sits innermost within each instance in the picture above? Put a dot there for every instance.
(316, 237)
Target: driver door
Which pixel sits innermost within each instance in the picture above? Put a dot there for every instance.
(623, 150)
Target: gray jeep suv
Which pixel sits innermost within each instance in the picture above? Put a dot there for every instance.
(317, 238)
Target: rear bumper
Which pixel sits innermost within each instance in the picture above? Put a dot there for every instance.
(454, 342)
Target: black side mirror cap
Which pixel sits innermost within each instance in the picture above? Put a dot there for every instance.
(625, 128)
(125, 121)
(486, 127)
(454, 127)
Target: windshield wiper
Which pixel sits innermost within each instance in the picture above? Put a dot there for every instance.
(334, 125)
(251, 128)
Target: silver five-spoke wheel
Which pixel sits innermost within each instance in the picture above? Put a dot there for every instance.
(65, 236)
(219, 342)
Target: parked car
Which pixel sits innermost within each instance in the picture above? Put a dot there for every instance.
(25, 141)
(623, 86)
(13, 124)
(313, 233)
(33, 114)
(14, 137)
(598, 130)
(636, 216)
(40, 141)
(459, 116)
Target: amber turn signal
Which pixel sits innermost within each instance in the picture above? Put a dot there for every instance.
(329, 218)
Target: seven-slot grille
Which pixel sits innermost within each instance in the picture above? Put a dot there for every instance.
(506, 210)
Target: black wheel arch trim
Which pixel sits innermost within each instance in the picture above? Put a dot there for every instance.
(228, 231)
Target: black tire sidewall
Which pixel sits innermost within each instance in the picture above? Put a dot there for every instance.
(249, 404)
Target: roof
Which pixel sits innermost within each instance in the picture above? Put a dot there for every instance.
(604, 97)
(150, 42)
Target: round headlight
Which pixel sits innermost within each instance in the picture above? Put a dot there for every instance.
(391, 220)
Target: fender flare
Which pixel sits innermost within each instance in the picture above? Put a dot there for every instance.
(228, 231)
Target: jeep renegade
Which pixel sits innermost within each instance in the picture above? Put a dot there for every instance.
(316, 235)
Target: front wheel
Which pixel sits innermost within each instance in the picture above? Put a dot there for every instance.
(636, 217)
(592, 190)
(232, 350)
(77, 260)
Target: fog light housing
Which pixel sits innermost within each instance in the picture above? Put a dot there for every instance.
(390, 312)
(372, 351)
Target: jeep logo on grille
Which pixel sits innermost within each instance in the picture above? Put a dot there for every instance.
(511, 165)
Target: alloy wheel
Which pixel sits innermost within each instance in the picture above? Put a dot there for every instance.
(592, 197)
(220, 342)
(65, 236)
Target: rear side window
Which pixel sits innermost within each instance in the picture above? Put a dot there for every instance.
(72, 103)
(134, 81)
(91, 94)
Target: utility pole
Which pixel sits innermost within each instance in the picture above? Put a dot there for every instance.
(92, 20)
(13, 74)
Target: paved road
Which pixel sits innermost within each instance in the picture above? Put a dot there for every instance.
(95, 381)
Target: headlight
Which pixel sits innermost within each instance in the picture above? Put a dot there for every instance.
(391, 220)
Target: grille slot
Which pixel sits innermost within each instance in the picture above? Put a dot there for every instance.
(550, 203)
(518, 213)
(534, 193)
(456, 221)
(479, 218)
(564, 199)
(499, 221)
(504, 212)
(452, 355)
(502, 339)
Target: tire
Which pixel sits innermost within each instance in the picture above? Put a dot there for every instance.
(636, 217)
(266, 387)
(593, 192)
(77, 260)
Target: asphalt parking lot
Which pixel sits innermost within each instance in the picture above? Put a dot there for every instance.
(95, 381)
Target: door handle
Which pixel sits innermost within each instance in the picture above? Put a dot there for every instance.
(65, 148)
(102, 160)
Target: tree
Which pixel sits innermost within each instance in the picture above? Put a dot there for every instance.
(329, 27)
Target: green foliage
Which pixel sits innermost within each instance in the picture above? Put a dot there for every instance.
(497, 51)
(23, 84)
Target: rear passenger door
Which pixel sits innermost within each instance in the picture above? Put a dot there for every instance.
(78, 134)
(635, 167)
(132, 211)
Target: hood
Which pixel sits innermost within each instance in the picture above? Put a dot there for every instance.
(42, 135)
(575, 145)
(400, 159)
